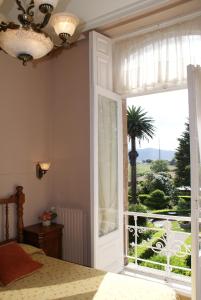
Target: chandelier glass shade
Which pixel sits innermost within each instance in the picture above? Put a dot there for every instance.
(27, 40)
(64, 22)
(17, 42)
(44, 2)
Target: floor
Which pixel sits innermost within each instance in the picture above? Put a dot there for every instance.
(184, 298)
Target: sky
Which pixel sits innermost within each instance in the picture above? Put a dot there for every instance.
(169, 111)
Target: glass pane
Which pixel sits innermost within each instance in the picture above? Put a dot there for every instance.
(108, 165)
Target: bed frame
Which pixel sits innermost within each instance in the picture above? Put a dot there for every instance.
(18, 198)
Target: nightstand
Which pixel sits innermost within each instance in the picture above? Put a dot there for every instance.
(48, 238)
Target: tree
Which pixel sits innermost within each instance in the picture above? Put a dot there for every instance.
(182, 156)
(139, 127)
(157, 200)
(148, 161)
(162, 181)
(159, 165)
(184, 205)
(173, 162)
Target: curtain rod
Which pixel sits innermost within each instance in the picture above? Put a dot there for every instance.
(157, 26)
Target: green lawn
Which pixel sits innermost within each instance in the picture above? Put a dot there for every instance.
(176, 227)
(143, 168)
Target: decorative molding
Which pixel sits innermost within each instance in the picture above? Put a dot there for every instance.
(162, 25)
(125, 11)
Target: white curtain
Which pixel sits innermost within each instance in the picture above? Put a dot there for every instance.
(157, 60)
(107, 165)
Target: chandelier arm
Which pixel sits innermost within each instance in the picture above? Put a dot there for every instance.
(64, 45)
(27, 15)
(4, 26)
(20, 7)
(45, 21)
(3, 51)
(29, 11)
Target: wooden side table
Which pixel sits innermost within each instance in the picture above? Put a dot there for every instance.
(48, 238)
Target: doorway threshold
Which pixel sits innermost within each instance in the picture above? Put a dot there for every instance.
(181, 286)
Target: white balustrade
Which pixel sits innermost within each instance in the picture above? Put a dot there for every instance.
(163, 240)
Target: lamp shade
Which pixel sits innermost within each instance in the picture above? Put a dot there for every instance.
(64, 23)
(45, 165)
(20, 41)
(50, 2)
(1, 1)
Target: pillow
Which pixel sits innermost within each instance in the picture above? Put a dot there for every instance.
(31, 249)
(15, 263)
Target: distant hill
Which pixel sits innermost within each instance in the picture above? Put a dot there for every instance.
(151, 153)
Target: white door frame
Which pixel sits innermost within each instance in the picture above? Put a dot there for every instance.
(101, 84)
(194, 119)
(104, 241)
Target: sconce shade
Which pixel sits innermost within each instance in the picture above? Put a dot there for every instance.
(20, 41)
(45, 165)
(50, 2)
(64, 23)
(42, 168)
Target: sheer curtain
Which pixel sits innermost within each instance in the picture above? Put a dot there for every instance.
(107, 165)
(157, 60)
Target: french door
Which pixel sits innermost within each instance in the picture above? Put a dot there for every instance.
(106, 160)
(194, 90)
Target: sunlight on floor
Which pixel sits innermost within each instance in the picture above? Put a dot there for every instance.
(184, 298)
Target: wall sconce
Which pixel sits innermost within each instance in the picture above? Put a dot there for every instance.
(42, 168)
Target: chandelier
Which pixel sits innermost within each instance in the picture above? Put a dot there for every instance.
(27, 40)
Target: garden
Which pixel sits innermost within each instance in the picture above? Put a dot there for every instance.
(159, 187)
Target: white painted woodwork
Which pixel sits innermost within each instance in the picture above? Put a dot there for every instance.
(104, 12)
(95, 13)
(101, 60)
(194, 81)
(107, 250)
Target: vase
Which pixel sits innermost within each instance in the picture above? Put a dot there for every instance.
(46, 223)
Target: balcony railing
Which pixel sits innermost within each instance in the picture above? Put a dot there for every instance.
(159, 244)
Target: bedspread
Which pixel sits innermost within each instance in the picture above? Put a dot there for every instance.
(62, 280)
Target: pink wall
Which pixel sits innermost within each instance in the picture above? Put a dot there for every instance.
(71, 130)
(71, 140)
(44, 115)
(25, 136)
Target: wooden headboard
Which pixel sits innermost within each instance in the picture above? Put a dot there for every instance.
(18, 198)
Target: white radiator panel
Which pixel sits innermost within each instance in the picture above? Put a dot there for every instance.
(74, 234)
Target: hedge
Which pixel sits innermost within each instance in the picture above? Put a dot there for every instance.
(143, 198)
(176, 261)
(157, 199)
(184, 205)
(184, 197)
(148, 252)
(165, 211)
(143, 251)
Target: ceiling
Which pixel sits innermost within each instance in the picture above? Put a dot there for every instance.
(117, 17)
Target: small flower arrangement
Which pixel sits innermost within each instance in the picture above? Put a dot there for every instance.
(48, 216)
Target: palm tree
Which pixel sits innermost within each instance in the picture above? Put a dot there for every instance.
(139, 127)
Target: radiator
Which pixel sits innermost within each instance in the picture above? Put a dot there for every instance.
(74, 234)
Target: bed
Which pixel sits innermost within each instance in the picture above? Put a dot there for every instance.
(58, 279)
